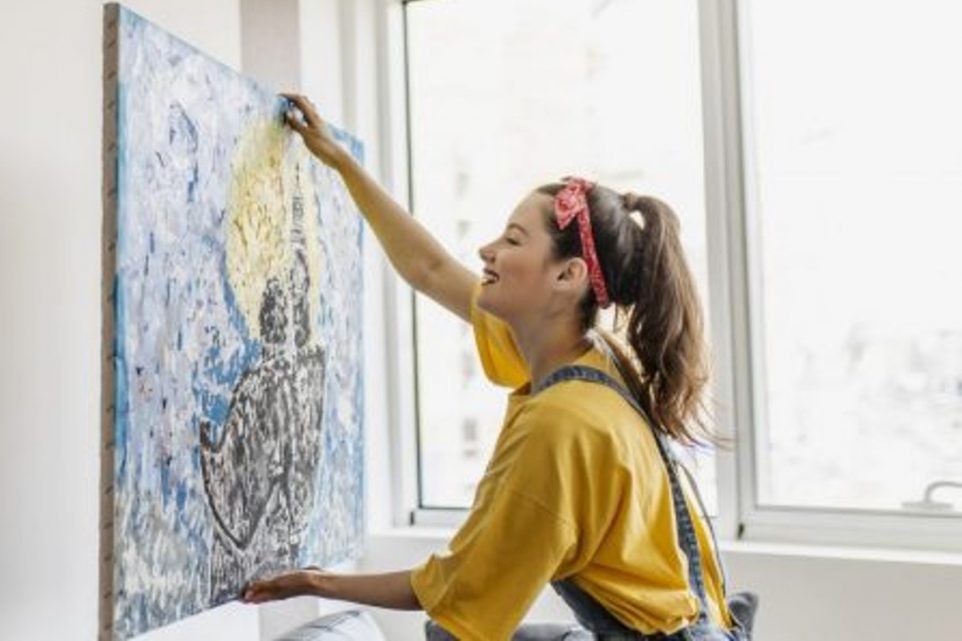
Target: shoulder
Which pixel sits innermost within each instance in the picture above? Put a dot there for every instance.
(573, 413)
(582, 416)
(583, 401)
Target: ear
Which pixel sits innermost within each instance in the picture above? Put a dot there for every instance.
(572, 276)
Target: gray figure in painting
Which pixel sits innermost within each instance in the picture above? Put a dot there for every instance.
(260, 475)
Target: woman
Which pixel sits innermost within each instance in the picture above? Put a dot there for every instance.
(578, 491)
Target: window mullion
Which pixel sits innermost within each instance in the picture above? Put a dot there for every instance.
(727, 273)
(398, 299)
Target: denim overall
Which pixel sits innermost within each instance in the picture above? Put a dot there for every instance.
(591, 614)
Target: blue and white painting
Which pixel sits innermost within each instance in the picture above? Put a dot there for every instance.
(237, 436)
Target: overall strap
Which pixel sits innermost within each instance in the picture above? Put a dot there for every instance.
(684, 525)
(605, 346)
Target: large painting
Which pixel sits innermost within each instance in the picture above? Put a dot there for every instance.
(232, 378)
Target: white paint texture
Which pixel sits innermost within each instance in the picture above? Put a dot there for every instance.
(238, 450)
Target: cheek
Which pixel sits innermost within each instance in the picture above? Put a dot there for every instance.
(525, 271)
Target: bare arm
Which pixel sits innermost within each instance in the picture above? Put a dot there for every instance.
(415, 254)
(388, 590)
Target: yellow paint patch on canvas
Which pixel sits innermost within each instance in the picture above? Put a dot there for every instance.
(268, 170)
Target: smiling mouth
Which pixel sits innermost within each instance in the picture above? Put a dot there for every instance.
(488, 277)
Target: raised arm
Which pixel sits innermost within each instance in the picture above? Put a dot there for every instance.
(415, 254)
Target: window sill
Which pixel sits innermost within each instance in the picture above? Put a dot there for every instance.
(425, 539)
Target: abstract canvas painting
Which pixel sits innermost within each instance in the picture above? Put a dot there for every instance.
(232, 317)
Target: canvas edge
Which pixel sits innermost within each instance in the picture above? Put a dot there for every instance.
(109, 187)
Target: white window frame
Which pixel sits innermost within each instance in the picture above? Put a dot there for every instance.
(391, 63)
(732, 235)
(733, 243)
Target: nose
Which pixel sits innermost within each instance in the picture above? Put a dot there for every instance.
(486, 253)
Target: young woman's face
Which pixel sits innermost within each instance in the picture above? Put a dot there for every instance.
(518, 266)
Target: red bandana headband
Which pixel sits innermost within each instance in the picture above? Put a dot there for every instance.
(571, 203)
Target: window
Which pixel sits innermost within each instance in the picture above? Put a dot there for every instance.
(857, 146)
(505, 96)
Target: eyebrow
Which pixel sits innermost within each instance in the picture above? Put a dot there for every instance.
(518, 227)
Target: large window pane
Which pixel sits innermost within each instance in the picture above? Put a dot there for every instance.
(505, 96)
(858, 140)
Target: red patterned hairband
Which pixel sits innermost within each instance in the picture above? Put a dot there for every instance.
(571, 203)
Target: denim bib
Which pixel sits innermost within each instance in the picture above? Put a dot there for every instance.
(591, 614)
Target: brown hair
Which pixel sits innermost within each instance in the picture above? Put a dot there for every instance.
(649, 281)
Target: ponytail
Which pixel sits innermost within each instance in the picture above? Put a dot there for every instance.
(659, 329)
(665, 326)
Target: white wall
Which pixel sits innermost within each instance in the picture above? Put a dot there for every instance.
(49, 317)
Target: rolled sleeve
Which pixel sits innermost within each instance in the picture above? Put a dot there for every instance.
(498, 563)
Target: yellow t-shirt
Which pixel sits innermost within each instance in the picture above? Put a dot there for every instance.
(575, 489)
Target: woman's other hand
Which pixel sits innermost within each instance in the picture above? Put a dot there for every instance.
(314, 131)
(303, 582)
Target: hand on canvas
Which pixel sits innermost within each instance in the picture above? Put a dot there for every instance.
(313, 130)
(283, 586)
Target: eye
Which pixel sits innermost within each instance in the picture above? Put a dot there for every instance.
(511, 241)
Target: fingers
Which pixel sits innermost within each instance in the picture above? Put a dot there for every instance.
(306, 107)
(255, 592)
(291, 118)
(265, 590)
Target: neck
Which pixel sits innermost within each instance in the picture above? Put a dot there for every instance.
(550, 345)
